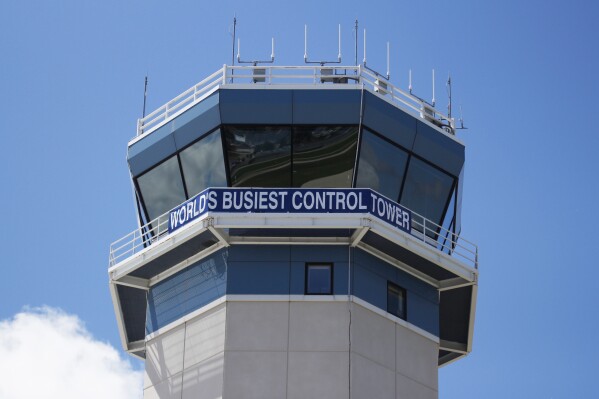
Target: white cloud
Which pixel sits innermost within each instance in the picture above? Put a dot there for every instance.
(46, 353)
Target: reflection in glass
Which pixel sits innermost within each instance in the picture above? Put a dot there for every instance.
(445, 241)
(324, 156)
(162, 188)
(203, 164)
(318, 279)
(382, 166)
(426, 191)
(259, 156)
(396, 300)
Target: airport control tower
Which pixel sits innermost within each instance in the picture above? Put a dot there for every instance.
(298, 238)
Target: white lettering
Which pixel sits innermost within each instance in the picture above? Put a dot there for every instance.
(340, 201)
(295, 204)
(227, 200)
(309, 195)
(212, 200)
(273, 202)
(351, 196)
(263, 197)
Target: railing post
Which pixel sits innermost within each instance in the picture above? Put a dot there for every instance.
(224, 74)
(139, 130)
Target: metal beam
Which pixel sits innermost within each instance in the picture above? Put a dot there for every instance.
(453, 283)
(451, 346)
(135, 282)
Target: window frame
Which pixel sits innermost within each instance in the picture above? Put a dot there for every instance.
(400, 290)
(306, 279)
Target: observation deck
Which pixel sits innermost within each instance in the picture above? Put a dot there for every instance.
(384, 165)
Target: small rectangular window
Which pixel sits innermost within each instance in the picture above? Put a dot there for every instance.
(319, 279)
(396, 300)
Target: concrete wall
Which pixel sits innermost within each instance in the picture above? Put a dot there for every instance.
(312, 347)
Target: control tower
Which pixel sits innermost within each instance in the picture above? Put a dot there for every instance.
(298, 238)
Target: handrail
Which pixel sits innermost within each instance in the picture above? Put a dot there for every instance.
(422, 229)
(301, 75)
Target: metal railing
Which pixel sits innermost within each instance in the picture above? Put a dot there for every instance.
(138, 239)
(422, 229)
(292, 75)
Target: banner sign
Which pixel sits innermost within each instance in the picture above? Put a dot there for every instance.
(290, 200)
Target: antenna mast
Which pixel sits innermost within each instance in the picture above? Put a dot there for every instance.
(356, 52)
(388, 76)
(321, 62)
(143, 115)
(233, 52)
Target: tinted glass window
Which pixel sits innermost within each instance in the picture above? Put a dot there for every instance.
(324, 156)
(162, 188)
(396, 300)
(426, 191)
(259, 156)
(382, 165)
(319, 279)
(203, 164)
(445, 240)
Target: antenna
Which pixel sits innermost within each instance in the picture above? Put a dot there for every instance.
(356, 52)
(462, 127)
(145, 95)
(449, 95)
(433, 102)
(388, 62)
(256, 62)
(372, 70)
(364, 60)
(233, 51)
(320, 62)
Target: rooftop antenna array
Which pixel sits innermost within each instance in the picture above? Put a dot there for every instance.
(321, 62)
(411, 88)
(258, 74)
(388, 75)
(256, 62)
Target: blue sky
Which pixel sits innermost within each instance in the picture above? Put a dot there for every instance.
(525, 74)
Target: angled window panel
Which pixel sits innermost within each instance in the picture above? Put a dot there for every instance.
(426, 191)
(259, 156)
(162, 188)
(203, 164)
(381, 166)
(324, 156)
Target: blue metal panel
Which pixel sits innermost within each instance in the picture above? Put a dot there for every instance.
(319, 253)
(340, 270)
(186, 291)
(439, 149)
(150, 150)
(297, 278)
(259, 253)
(326, 107)
(377, 266)
(369, 286)
(258, 278)
(389, 121)
(423, 313)
(268, 107)
(196, 121)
